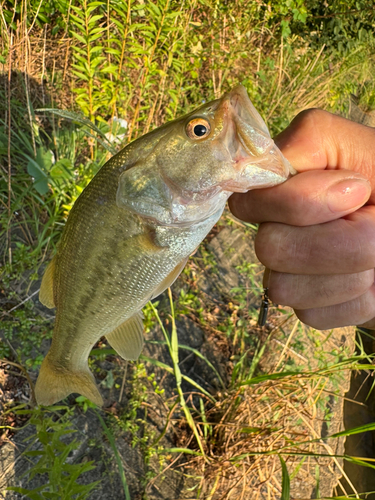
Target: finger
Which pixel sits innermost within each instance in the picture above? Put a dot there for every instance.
(310, 291)
(308, 198)
(370, 325)
(353, 312)
(337, 247)
(316, 139)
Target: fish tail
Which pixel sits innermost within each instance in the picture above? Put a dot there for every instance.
(55, 384)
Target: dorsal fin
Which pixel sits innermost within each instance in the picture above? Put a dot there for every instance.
(46, 287)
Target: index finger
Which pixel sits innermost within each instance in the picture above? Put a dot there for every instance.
(308, 198)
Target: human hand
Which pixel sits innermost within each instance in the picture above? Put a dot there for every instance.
(316, 238)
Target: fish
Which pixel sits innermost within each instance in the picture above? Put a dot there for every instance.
(132, 229)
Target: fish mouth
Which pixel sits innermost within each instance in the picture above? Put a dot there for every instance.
(256, 159)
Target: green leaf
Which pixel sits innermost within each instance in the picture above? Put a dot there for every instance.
(62, 169)
(33, 494)
(96, 61)
(34, 453)
(257, 430)
(110, 68)
(182, 450)
(97, 48)
(109, 381)
(115, 52)
(80, 75)
(39, 168)
(285, 29)
(76, 18)
(154, 9)
(355, 430)
(285, 483)
(80, 38)
(96, 18)
(43, 18)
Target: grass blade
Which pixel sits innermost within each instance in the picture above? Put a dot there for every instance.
(355, 430)
(76, 117)
(285, 483)
(170, 370)
(197, 353)
(112, 442)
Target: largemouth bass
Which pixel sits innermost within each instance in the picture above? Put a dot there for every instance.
(131, 231)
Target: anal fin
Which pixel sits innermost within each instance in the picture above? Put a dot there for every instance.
(46, 288)
(127, 339)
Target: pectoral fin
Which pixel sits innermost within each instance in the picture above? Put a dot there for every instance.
(127, 339)
(46, 288)
(146, 242)
(170, 279)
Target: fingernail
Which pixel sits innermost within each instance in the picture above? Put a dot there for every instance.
(348, 195)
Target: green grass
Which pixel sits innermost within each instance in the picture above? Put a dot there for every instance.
(51, 460)
(149, 62)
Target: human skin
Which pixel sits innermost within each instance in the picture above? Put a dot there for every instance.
(317, 230)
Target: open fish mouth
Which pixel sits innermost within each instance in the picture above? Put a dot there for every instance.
(256, 159)
(238, 156)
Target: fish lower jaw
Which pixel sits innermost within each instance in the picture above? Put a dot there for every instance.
(191, 220)
(259, 174)
(255, 178)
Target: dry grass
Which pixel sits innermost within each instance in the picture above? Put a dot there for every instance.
(257, 424)
(250, 426)
(197, 54)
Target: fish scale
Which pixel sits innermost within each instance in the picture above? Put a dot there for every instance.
(131, 230)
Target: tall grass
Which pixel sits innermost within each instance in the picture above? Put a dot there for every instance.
(147, 62)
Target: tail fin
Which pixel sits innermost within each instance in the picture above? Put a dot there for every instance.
(55, 384)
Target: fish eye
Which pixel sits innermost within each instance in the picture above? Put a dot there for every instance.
(198, 128)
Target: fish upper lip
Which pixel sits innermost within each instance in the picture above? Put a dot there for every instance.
(244, 120)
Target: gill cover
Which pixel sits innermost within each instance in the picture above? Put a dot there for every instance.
(144, 191)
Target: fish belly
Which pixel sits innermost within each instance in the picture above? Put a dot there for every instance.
(119, 280)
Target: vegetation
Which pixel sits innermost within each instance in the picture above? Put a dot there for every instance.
(78, 80)
(52, 429)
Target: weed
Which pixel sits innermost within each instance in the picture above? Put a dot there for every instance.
(111, 439)
(55, 458)
(135, 420)
(23, 332)
(143, 63)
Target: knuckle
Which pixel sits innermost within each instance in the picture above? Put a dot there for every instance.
(272, 246)
(312, 114)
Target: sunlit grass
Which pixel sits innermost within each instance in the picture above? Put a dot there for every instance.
(149, 62)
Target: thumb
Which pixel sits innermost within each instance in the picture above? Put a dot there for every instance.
(316, 139)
